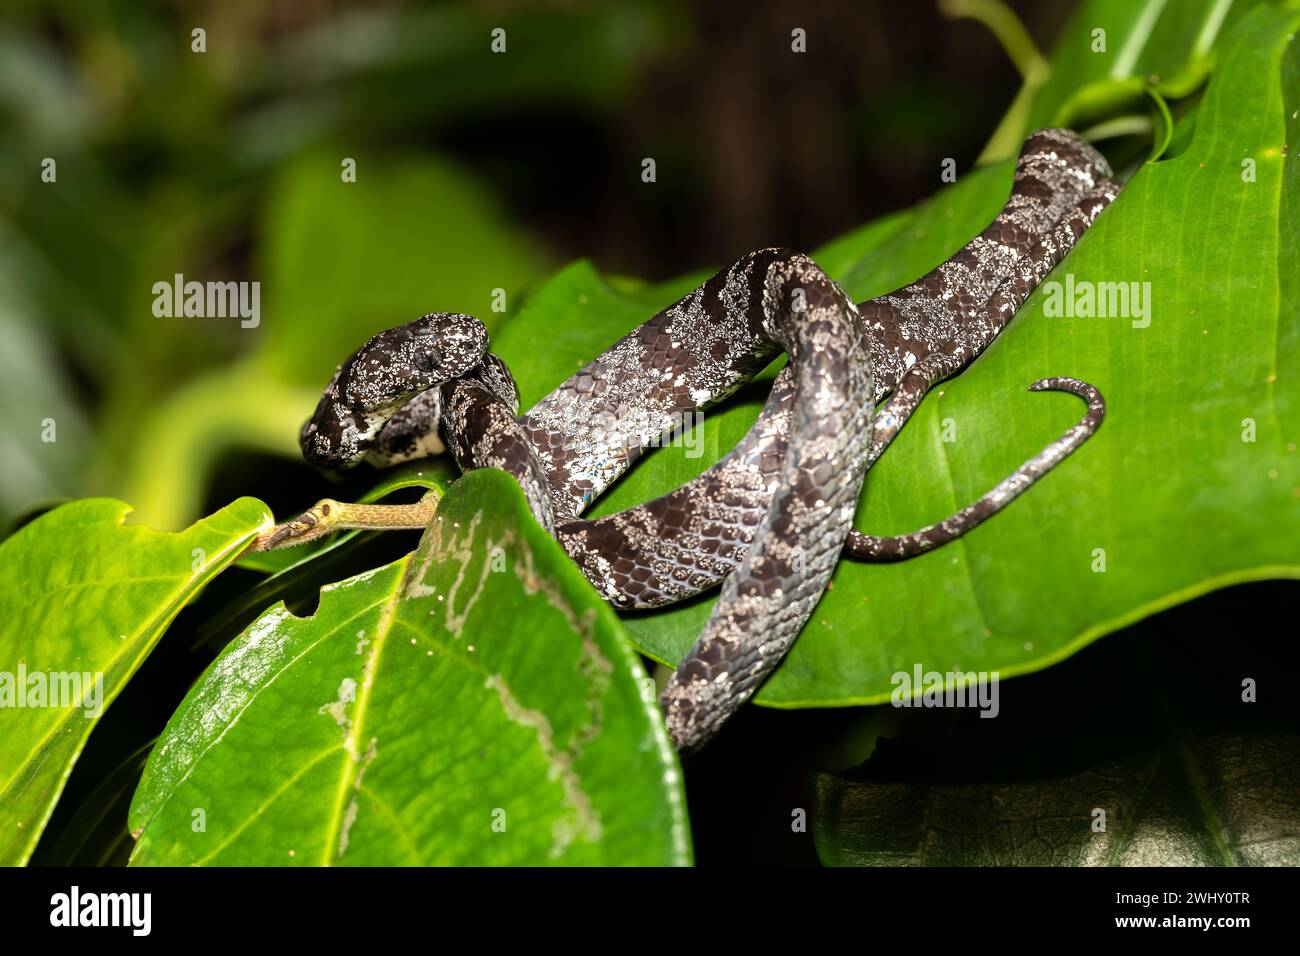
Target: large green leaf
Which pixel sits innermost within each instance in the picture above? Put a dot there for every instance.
(474, 702)
(1132, 754)
(1168, 489)
(82, 593)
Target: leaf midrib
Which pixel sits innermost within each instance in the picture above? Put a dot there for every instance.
(353, 751)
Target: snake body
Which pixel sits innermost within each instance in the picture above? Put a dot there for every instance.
(769, 521)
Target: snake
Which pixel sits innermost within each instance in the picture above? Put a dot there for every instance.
(768, 523)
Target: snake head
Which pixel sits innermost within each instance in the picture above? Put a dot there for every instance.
(396, 365)
(384, 375)
(447, 344)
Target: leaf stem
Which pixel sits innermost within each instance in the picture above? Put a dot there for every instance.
(1023, 53)
(1010, 32)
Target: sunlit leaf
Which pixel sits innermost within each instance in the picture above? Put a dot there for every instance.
(81, 594)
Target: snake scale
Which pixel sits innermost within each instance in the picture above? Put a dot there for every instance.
(770, 520)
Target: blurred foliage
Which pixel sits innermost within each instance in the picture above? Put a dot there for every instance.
(225, 165)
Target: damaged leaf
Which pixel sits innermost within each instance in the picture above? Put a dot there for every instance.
(474, 702)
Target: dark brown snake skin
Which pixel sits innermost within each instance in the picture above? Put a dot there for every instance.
(771, 519)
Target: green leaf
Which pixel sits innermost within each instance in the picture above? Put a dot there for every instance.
(1168, 489)
(479, 680)
(178, 445)
(1133, 754)
(347, 260)
(82, 593)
